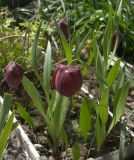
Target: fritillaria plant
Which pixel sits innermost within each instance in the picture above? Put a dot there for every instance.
(58, 87)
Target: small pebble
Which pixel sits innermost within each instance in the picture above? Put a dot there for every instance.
(39, 147)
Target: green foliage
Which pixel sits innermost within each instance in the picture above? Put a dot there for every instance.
(98, 131)
(35, 51)
(86, 18)
(5, 134)
(55, 113)
(120, 104)
(76, 151)
(107, 42)
(24, 114)
(66, 46)
(35, 96)
(85, 118)
(47, 70)
(5, 109)
(59, 112)
(112, 75)
(5, 127)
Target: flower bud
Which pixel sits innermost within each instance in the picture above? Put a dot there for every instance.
(116, 35)
(64, 26)
(67, 80)
(13, 74)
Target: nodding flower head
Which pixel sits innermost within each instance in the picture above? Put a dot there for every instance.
(13, 74)
(64, 26)
(67, 80)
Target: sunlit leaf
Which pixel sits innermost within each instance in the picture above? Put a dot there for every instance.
(103, 106)
(85, 118)
(113, 73)
(47, 68)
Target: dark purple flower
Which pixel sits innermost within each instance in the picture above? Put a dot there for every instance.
(67, 80)
(115, 35)
(13, 74)
(64, 26)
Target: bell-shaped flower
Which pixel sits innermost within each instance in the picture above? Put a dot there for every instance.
(13, 74)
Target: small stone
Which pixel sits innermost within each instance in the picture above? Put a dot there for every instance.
(43, 158)
(132, 93)
(129, 99)
(39, 147)
(132, 105)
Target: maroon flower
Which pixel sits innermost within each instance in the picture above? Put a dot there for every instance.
(67, 80)
(13, 74)
(64, 26)
(115, 35)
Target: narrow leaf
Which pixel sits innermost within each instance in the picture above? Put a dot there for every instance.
(35, 96)
(82, 44)
(47, 68)
(98, 60)
(5, 109)
(76, 151)
(98, 132)
(65, 45)
(103, 106)
(120, 105)
(5, 134)
(113, 73)
(107, 42)
(88, 63)
(61, 105)
(119, 8)
(63, 5)
(34, 59)
(99, 64)
(24, 114)
(85, 118)
(122, 142)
